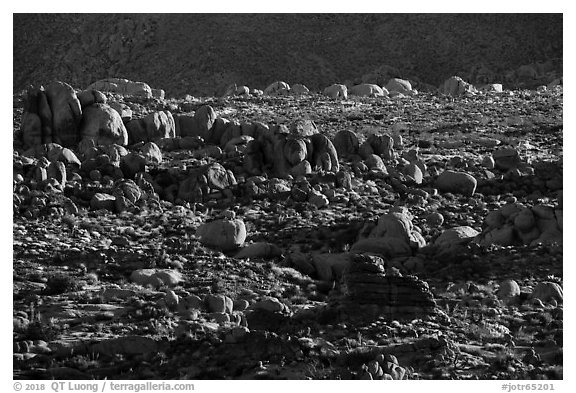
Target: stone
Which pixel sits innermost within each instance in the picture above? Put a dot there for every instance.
(346, 143)
(374, 161)
(399, 86)
(330, 266)
(456, 86)
(270, 304)
(506, 158)
(151, 153)
(503, 236)
(295, 151)
(262, 250)
(204, 120)
(103, 125)
(136, 131)
(122, 86)
(158, 125)
(57, 170)
(456, 182)
(456, 236)
(276, 88)
(324, 155)
(318, 199)
(524, 220)
(128, 189)
(382, 145)
(336, 91)
(367, 90)
(123, 110)
(158, 93)
(131, 164)
(414, 172)
(547, 291)
(218, 177)
(508, 289)
(435, 219)
(488, 162)
(190, 302)
(225, 235)
(218, 303)
(156, 277)
(492, 87)
(66, 113)
(102, 201)
(90, 97)
(299, 89)
(301, 169)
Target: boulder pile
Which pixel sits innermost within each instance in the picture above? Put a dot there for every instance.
(370, 289)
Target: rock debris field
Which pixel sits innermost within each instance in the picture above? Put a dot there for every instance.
(366, 232)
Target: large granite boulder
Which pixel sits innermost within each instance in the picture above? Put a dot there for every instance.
(103, 125)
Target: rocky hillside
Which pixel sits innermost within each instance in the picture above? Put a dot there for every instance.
(201, 54)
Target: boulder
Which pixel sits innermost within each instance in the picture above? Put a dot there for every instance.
(367, 90)
(506, 158)
(276, 88)
(456, 236)
(66, 113)
(456, 182)
(158, 93)
(262, 250)
(324, 155)
(156, 277)
(218, 303)
(508, 289)
(330, 267)
(122, 86)
(224, 234)
(414, 172)
(398, 85)
(456, 86)
(103, 125)
(381, 145)
(346, 143)
(128, 189)
(123, 110)
(90, 97)
(303, 128)
(295, 151)
(151, 152)
(204, 119)
(299, 89)
(336, 91)
(36, 125)
(131, 164)
(158, 125)
(102, 201)
(547, 291)
(136, 131)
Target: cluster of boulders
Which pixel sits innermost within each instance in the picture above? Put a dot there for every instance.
(369, 290)
(515, 223)
(383, 367)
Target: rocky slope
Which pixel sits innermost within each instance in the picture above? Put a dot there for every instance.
(201, 54)
(399, 237)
